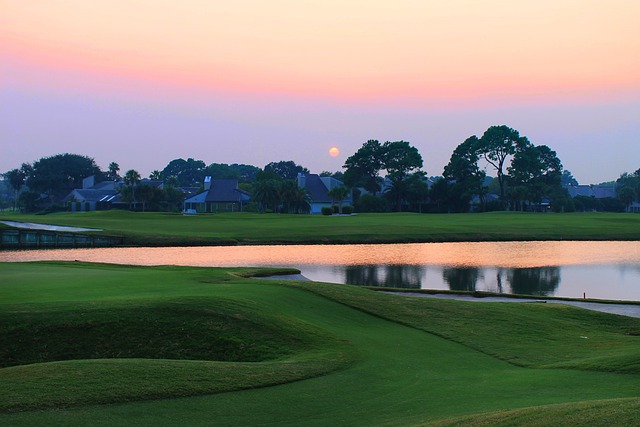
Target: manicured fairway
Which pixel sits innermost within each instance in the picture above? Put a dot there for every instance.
(341, 360)
(161, 229)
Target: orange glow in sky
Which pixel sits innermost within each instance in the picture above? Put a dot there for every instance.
(459, 49)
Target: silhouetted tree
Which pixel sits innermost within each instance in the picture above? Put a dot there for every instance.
(497, 145)
(286, 169)
(363, 167)
(57, 175)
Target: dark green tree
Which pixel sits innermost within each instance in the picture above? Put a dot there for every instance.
(188, 173)
(338, 194)
(535, 173)
(628, 187)
(113, 174)
(498, 144)
(285, 169)
(266, 194)
(568, 179)
(131, 179)
(626, 195)
(400, 159)
(464, 177)
(293, 198)
(362, 168)
(16, 179)
(57, 175)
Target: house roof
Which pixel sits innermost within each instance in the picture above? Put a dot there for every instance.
(597, 191)
(316, 188)
(92, 195)
(221, 191)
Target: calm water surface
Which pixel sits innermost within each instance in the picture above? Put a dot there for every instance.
(604, 270)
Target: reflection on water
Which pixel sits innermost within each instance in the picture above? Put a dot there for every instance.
(461, 279)
(391, 276)
(605, 270)
(540, 281)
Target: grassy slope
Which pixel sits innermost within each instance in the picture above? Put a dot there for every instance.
(156, 229)
(399, 376)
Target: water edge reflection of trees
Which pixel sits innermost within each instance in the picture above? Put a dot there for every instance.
(390, 276)
(541, 281)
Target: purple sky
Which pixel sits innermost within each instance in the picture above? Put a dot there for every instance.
(142, 83)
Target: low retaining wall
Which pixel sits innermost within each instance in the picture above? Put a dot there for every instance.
(40, 239)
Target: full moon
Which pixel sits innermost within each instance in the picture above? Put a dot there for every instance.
(333, 151)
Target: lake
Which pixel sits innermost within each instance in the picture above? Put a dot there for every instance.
(602, 270)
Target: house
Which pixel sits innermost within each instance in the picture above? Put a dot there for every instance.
(634, 207)
(92, 196)
(219, 195)
(318, 188)
(595, 191)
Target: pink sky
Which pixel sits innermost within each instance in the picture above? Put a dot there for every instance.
(147, 81)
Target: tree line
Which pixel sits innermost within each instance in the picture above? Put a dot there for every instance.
(381, 177)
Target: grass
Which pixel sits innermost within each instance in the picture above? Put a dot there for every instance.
(162, 229)
(166, 345)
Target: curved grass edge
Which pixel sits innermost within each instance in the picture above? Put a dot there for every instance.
(480, 328)
(598, 413)
(66, 384)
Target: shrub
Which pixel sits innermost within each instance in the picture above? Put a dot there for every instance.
(347, 210)
(336, 209)
(327, 210)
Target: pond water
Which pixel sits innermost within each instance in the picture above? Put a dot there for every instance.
(603, 270)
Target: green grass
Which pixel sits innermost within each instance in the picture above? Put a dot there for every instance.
(97, 344)
(162, 229)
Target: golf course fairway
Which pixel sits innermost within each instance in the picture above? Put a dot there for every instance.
(336, 355)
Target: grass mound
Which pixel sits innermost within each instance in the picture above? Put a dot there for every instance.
(185, 328)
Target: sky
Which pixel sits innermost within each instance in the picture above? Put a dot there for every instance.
(143, 82)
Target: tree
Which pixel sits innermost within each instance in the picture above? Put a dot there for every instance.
(114, 168)
(400, 160)
(57, 175)
(285, 169)
(626, 195)
(132, 178)
(363, 167)
(338, 194)
(568, 179)
(189, 173)
(265, 193)
(464, 176)
(155, 175)
(535, 173)
(294, 198)
(417, 190)
(496, 145)
(16, 179)
(628, 187)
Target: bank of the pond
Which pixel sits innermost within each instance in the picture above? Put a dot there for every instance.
(163, 229)
(622, 308)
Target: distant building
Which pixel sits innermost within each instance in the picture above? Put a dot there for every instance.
(219, 195)
(91, 197)
(318, 188)
(595, 191)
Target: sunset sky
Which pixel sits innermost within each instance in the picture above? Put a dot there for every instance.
(143, 82)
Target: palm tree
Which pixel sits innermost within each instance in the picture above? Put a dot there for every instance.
(132, 178)
(156, 175)
(296, 199)
(16, 178)
(114, 168)
(338, 194)
(265, 193)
